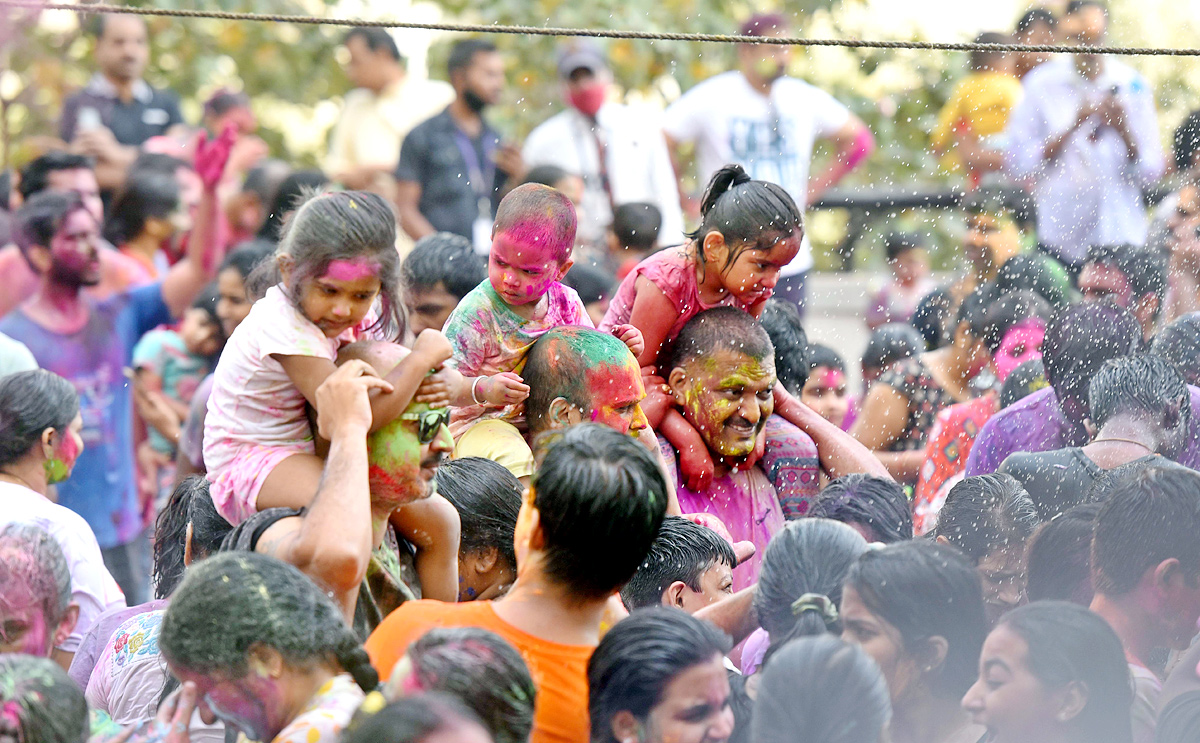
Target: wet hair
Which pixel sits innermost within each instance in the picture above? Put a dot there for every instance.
(534, 213)
(35, 177)
(488, 499)
(557, 365)
(591, 283)
(897, 244)
(976, 312)
(31, 402)
(806, 556)
(478, 668)
(1069, 644)
(1179, 343)
(891, 343)
(377, 40)
(409, 720)
(828, 688)
(601, 498)
(247, 256)
(1079, 339)
(546, 175)
(821, 355)
(333, 226)
(926, 590)
(1033, 17)
(189, 505)
(985, 513)
(720, 328)
(1152, 514)
(876, 503)
(40, 702)
(1009, 309)
(639, 657)
(444, 258)
(1144, 268)
(290, 194)
(981, 59)
(747, 213)
(1035, 272)
(1179, 719)
(682, 551)
(784, 328)
(1186, 142)
(1074, 6)
(1059, 557)
(1141, 384)
(636, 225)
(462, 54)
(932, 317)
(1024, 380)
(29, 556)
(224, 100)
(233, 601)
(39, 219)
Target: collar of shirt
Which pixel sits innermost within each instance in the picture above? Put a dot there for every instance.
(446, 123)
(101, 86)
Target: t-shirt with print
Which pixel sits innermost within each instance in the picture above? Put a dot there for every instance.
(489, 338)
(163, 352)
(253, 401)
(326, 714)
(559, 671)
(92, 586)
(102, 487)
(771, 136)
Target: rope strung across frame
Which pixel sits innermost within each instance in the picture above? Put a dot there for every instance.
(597, 32)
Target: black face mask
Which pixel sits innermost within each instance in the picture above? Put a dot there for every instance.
(473, 101)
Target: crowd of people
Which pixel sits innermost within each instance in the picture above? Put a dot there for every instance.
(464, 440)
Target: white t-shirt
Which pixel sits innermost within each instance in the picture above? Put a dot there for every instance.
(639, 166)
(15, 357)
(92, 587)
(253, 401)
(772, 137)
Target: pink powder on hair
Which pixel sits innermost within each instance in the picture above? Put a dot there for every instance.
(352, 270)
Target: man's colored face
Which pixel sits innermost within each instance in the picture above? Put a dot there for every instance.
(726, 396)
(399, 467)
(617, 392)
(254, 704)
(80, 181)
(522, 271)
(74, 257)
(1098, 281)
(23, 624)
(122, 52)
(429, 308)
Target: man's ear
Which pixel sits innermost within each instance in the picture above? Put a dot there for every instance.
(562, 413)
(673, 595)
(942, 540)
(67, 625)
(481, 561)
(1168, 574)
(38, 258)
(675, 380)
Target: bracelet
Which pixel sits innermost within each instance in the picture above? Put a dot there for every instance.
(474, 387)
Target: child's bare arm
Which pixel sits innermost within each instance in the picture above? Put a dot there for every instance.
(653, 314)
(432, 525)
(696, 467)
(505, 388)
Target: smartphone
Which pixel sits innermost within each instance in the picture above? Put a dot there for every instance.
(88, 120)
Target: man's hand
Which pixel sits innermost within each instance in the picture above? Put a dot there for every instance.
(505, 388)
(631, 337)
(508, 160)
(99, 142)
(343, 399)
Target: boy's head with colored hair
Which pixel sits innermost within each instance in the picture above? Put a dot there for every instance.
(532, 239)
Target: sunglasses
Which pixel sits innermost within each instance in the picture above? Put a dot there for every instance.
(429, 423)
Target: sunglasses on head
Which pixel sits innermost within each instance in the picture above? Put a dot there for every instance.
(429, 422)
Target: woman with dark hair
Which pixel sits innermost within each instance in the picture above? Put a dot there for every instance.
(488, 499)
(479, 669)
(41, 424)
(1052, 672)
(917, 609)
(416, 719)
(821, 690)
(989, 518)
(38, 702)
(659, 677)
(800, 585)
(269, 653)
(876, 508)
(292, 192)
(145, 214)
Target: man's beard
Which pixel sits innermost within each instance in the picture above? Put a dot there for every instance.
(474, 101)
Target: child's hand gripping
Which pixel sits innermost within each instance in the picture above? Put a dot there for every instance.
(434, 349)
(631, 337)
(505, 388)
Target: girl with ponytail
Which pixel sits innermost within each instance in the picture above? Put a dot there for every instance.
(749, 230)
(269, 653)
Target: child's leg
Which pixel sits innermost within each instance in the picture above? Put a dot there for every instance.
(791, 463)
(292, 483)
(432, 526)
(259, 477)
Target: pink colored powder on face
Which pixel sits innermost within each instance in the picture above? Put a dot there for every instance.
(832, 379)
(352, 270)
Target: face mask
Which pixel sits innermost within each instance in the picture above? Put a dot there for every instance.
(1023, 342)
(473, 101)
(588, 100)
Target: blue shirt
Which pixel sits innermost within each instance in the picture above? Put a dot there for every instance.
(102, 487)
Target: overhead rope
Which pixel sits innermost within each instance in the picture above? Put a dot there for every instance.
(596, 32)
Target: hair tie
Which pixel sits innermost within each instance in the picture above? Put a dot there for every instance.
(816, 602)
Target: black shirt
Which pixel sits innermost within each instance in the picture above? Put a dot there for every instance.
(150, 113)
(1059, 480)
(430, 156)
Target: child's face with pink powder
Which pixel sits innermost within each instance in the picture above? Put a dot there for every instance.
(523, 270)
(340, 298)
